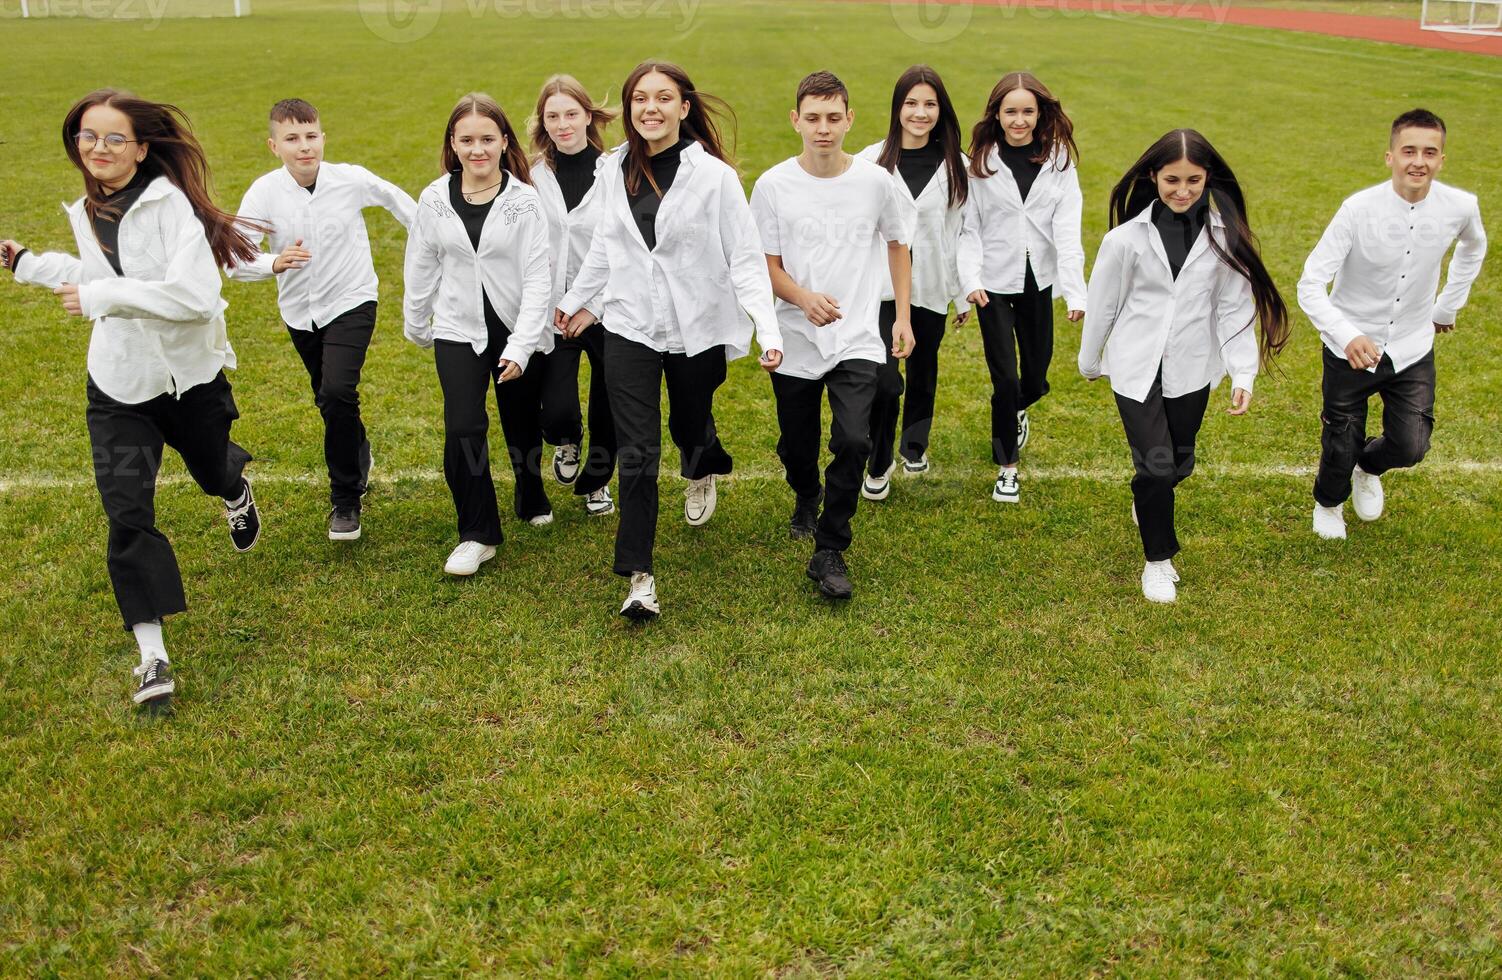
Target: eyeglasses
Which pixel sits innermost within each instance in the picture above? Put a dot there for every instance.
(88, 139)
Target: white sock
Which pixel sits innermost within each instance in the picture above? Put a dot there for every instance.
(149, 638)
(240, 500)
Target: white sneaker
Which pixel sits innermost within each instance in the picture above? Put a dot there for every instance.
(1158, 578)
(699, 501)
(468, 557)
(1330, 522)
(1006, 490)
(1366, 494)
(910, 468)
(599, 503)
(878, 487)
(566, 464)
(641, 601)
(541, 520)
(1023, 429)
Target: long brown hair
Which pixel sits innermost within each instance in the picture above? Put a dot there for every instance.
(173, 152)
(702, 124)
(1137, 190)
(946, 133)
(513, 159)
(1054, 132)
(569, 86)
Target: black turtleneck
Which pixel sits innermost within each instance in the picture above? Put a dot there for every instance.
(1178, 231)
(645, 202)
(1019, 160)
(575, 173)
(473, 215)
(107, 226)
(918, 166)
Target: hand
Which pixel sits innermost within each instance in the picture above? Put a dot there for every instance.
(294, 256)
(979, 297)
(961, 316)
(1443, 327)
(1075, 316)
(820, 308)
(1362, 353)
(509, 370)
(578, 323)
(68, 292)
(9, 249)
(771, 360)
(902, 338)
(560, 319)
(1241, 400)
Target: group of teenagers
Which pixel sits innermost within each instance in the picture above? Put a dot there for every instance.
(649, 261)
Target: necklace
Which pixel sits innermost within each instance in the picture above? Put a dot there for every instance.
(470, 194)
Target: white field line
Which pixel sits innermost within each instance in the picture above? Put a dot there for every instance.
(23, 483)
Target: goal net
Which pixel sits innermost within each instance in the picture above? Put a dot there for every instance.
(153, 10)
(1462, 16)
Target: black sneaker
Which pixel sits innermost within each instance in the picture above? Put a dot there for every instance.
(344, 524)
(156, 685)
(244, 521)
(827, 567)
(805, 517)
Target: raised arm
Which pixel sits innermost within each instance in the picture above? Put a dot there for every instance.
(379, 193)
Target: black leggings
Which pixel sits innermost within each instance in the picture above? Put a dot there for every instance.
(1013, 326)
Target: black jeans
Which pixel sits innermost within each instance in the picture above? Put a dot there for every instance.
(562, 421)
(465, 378)
(334, 356)
(1161, 433)
(1014, 325)
(634, 374)
(1407, 421)
(127, 443)
(851, 386)
(922, 384)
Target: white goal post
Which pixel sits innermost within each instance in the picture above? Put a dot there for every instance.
(136, 9)
(1462, 16)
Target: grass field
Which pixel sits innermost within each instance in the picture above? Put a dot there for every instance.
(997, 759)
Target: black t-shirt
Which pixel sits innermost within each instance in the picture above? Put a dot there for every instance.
(1179, 231)
(575, 173)
(645, 202)
(473, 216)
(107, 226)
(1019, 160)
(918, 166)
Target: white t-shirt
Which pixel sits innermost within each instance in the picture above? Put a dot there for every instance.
(832, 235)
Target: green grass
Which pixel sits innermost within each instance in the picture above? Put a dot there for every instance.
(998, 759)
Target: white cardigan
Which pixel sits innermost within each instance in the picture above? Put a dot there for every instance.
(159, 328)
(1198, 327)
(936, 240)
(569, 232)
(707, 272)
(1001, 232)
(445, 274)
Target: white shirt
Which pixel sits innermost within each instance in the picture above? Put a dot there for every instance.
(340, 275)
(1001, 233)
(159, 328)
(1384, 255)
(707, 276)
(448, 279)
(569, 232)
(1197, 327)
(831, 234)
(936, 239)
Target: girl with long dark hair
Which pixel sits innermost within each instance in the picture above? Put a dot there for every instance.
(677, 272)
(1020, 239)
(922, 151)
(151, 242)
(1177, 286)
(478, 284)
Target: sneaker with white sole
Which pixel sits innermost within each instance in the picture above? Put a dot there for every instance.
(911, 468)
(878, 487)
(1007, 490)
(1159, 581)
(699, 501)
(1024, 429)
(244, 520)
(344, 524)
(566, 464)
(598, 503)
(541, 520)
(641, 601)
(468, 557)
(1366, 494)
(1330, 522)
(156, 686)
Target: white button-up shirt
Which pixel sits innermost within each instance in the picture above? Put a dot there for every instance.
(340, 275)
(936, 239)
(1384, 254)
(569, 232)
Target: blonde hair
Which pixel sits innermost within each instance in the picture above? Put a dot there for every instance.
(599, 116)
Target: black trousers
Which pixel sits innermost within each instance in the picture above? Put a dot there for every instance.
(1161, 433)
(127, 442)
(334, 356)
(562, 421)
(851, 386)
(1013, 326)
(1407, 421)
(634, 375)
(922, 383)
(466, 377)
